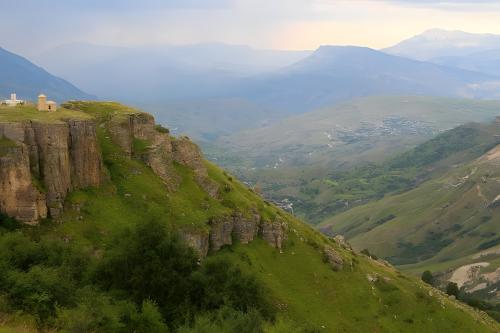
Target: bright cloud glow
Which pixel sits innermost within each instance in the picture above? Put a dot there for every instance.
(280, 24)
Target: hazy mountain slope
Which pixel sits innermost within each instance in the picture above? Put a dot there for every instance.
(365, 129)
(160, 73)
(21, 76)
(205, 120)
(486, 62)
(441, 222)
(306, 288)
(442, 43)
(338, 73)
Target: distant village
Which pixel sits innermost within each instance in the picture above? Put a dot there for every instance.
(42, 105)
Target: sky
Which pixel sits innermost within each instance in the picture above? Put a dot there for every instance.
(32, 26)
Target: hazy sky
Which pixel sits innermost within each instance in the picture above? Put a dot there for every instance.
(28, 26)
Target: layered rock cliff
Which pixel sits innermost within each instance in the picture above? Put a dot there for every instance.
(46, 161)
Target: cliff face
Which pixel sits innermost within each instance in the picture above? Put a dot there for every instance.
(42, 161)
(225, 229)
(58, 157)
(19, 197)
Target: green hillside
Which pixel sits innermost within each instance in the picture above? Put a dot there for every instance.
(442, 225)
(113, 261)
(320, 192)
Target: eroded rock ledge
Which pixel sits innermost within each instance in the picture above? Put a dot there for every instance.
(224, 230)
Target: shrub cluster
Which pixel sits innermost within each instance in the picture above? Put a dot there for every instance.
(146, 280)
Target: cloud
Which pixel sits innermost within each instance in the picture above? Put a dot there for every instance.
(469, 5)
(120, 5)
(35, 25)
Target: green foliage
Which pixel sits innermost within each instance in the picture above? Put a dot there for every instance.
(452, 289)
(219, 283)
(145, 280)
(8, 223)
(140, 147)
(488, 244)
(226, 320)
(159, 128)
(97, 312)
(427, 277)
(148, 263)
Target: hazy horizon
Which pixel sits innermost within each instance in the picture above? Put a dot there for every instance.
(281, 25)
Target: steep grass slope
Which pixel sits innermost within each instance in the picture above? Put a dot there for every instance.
(314, 283)
(443, 224)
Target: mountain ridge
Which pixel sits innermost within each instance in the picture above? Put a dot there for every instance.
(26, 79)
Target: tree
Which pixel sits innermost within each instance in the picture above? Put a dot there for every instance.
(427, 277)
(149, 264)
(452, 289)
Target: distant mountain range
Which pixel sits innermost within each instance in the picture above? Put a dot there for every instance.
(19, 75)
(338, 73)
(188, 86)
(274, 83)
(158, 74)
(436, 43)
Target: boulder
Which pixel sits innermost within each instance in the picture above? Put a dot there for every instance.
(333, 258)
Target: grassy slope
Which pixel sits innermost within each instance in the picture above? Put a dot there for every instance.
(320, 192)
(438, 225)
(306, 290)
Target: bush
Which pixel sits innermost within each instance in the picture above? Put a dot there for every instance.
(97, 312)
(148, 263)
(452, 289)
(226, 320)
(8, 223)
(146, 281)
(220, 284)
(159, 128)
(427, 277)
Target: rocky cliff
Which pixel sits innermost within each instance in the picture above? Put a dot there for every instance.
(41, 161)
(44, 162)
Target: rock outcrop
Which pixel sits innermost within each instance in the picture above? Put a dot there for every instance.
(197, 240)
(274, 232)
(245, 228)
(187, 153)
(221, 231)
(333, 258)
(18, 196)
(59, 157)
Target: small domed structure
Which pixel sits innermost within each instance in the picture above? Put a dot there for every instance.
(44, 105)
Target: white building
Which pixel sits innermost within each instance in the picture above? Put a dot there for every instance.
(13, 101)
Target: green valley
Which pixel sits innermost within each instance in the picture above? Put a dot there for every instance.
(128, 229)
